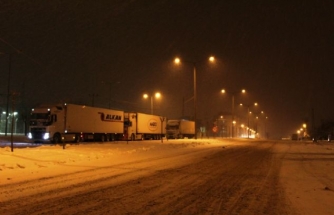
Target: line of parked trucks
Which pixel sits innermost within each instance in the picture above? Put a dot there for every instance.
(77, 123)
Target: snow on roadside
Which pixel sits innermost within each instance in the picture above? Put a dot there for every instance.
(307, 175)
(46, 160)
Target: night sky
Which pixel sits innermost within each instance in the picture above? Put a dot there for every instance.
(281, 52)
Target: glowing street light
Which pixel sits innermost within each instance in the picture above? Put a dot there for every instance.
(156, 95)
(212, 59)
(262, 114)
(178, 61)
(305, 128)
(233, 93)
(248, 112)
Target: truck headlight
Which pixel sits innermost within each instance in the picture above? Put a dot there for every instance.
(46, 136)
(29, 135)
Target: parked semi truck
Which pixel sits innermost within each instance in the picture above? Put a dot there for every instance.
(140, 126)
(70, 122)
(179, 129)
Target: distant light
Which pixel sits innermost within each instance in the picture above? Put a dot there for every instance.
(177, 60)
(145, 96)
(157, 95)
(243, 90)
(212, 59)
(223, 91)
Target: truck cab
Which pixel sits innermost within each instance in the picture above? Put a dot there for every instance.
(42, 124)
(179, 129)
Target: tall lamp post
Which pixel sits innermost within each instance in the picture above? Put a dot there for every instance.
(232, 113)
(262, 113)
(156, 95)
(258, 114)
(265, 127)
(8, 88)
(178, 61)
(305, 128)
(248, 112)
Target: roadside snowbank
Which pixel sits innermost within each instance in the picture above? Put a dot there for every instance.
(30, 161)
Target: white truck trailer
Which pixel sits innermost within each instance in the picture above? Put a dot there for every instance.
(179, 129)
(70, 122)
(140, 126)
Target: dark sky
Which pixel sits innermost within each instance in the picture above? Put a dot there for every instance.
(281, 52)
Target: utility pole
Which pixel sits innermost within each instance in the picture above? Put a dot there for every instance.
(8, 91)
(14, 96)
(313, 125)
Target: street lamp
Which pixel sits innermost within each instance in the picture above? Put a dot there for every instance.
(178, 61)
(265, 127)
(2, 113)
(258, 131)
(305, 128)
(8, 88)
(242, 126)
(233, 93)
(248, 112)
(156, 95)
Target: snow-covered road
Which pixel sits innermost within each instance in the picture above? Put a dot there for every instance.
(174, 177)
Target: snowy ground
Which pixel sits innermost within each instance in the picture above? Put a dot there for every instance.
(30, 160)
(208, 176)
